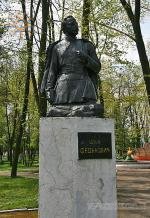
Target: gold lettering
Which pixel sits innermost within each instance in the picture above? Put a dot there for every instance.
(94, 150)
(106, 150)
(94, 141)
(82, 150)
(100, 150)
(89, 150)
(85, 150)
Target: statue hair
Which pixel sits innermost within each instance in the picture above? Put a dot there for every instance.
(63, 25)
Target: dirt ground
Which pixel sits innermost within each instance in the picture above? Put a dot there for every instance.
(19, 214)
(133, 192)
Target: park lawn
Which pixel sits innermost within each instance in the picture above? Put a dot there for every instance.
(20, 192)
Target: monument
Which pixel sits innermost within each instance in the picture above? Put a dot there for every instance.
(77, 145)
(71, 76)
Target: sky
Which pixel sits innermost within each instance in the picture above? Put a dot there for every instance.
(145, 27)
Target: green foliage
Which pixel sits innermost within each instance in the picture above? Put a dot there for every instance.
(18, 193)
(123, 87)
(126, 101)
(108, 29)
(11, 99)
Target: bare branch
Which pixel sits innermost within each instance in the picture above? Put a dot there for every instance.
(31, 20)
(36, 42)
(52, 21)
(36, 12)
(63, 12)
(113, 28)
(25, 19)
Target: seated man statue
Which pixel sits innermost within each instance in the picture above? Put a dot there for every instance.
(71, 76)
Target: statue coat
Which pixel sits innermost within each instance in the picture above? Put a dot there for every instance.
(72, 79)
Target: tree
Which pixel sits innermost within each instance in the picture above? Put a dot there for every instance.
(45, 17)
(29, 72)
(126, 101)
(85, 18)
(134, 17)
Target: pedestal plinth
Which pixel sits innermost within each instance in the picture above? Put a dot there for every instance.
(73, 188)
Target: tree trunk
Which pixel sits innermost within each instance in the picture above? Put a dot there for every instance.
(34, 83)
(143, 58)
(135, 20)
(22, 119)
(45, 11)
(85, 34)
(85, 18)
(13, 137)
(52, 22)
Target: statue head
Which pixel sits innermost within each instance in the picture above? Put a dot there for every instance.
(70, 26)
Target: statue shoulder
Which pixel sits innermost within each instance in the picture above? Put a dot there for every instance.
(51, 46)
(86, 41)
(89, 43)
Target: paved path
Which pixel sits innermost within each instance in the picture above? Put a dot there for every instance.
(29, 174)
(133, 188)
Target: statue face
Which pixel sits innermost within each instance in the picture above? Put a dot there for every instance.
(71, 27)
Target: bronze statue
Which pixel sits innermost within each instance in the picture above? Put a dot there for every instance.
(71, 76)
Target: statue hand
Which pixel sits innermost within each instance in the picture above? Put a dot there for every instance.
(82, 56)
(50, 96)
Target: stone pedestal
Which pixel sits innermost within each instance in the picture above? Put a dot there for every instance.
(69, 187)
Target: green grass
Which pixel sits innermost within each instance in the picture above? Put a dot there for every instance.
(18, 193)
(5, 166)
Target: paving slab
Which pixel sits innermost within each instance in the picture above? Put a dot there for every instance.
(133, 192)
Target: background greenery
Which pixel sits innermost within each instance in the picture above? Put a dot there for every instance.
(26, 29)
